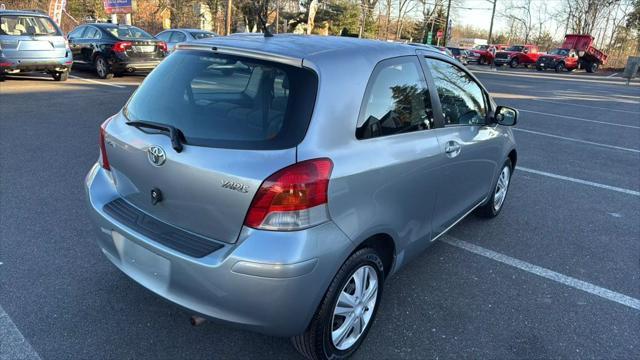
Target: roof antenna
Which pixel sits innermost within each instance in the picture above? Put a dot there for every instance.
(263, 23)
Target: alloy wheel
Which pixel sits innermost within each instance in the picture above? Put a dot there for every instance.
(501, 188)
(101, 67)
(355, 306)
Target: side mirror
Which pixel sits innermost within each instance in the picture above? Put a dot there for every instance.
(506, 116)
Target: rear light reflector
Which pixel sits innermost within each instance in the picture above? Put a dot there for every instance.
(162, 46)
(121, 46)
(104, 160)
(293, 198)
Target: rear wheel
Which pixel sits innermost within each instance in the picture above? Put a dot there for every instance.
(592, 67)
(103, 70)
(499, 194)
(347, 311)
(560, 67)
(539, 68)
(514, 63)
(60, 75)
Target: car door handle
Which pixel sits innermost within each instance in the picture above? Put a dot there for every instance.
(452, 148)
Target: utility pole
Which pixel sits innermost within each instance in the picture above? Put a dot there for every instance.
(363, 20)
(446, 26)
(493, 14)
(228, 18)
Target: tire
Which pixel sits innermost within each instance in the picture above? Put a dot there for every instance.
(103, 70)
(482, 61)
(2, 77)
(493, 207)
(560, 67)
(514, 63)
(539, 68)
(60, 76)
(592, 67)
(317, 340)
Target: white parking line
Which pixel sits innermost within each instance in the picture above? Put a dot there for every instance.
(577, 140)
(546, 273)
(580, 119)
(579, 78)
(580, 181)
(13, 346)
(587, 106)
(612, 75)
(96, 82)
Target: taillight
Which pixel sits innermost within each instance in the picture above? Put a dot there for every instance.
(293, 198)
(104, 160)
(121, 46)
(162, 46)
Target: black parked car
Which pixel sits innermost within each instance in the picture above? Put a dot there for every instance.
(459, 54)
(113, 49)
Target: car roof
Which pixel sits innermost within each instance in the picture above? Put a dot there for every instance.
(23, 12)
(313, 47)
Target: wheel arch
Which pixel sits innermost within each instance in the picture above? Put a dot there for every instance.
(385, 246)
(513, 156)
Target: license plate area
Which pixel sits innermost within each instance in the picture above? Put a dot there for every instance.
(144, 266)
(143, 48)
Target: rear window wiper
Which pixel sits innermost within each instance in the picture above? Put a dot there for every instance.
(176, 136)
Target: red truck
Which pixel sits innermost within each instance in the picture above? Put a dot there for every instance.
(577, 51)
(482, 53)
(516, 55)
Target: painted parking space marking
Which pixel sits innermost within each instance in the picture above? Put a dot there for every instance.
(587, 106)
(612, 75)
(579, 181)
(580, 119)
(580, 78)
(545, 273)
(97, 82)
(577, 140)
(13, 346)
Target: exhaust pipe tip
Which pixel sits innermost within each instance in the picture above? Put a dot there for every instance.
(197, 320)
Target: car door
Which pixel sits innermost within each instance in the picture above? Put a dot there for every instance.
(89, 43)
(176, 38)
(75, 42)
(469, 144)
(396, 137)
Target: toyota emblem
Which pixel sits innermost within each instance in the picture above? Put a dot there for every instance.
(156, 155)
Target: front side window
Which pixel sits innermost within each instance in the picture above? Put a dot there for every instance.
(164, 36)
(461, 98)
(77, 32)
(91, 33)
(397, 100)
(228, 101)
(27, 25)
(178, 37)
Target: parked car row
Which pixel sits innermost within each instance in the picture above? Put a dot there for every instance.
(31, 41)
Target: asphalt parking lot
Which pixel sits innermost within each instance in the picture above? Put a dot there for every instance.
(556, 275)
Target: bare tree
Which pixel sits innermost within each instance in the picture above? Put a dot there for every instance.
(519, 16)
(404, 7)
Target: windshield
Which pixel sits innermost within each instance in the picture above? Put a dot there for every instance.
(202, 34)
(28, 25)
(227, 101)
(515, 48)
(129, 33)
(559, 52)
(481, 47)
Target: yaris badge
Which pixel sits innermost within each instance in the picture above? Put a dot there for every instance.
(156, 155)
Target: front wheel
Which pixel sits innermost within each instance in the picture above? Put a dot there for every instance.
(514, 63)
(499, 194)
(560, 67)
(347, 311)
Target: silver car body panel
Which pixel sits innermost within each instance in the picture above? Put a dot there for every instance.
(402, 186)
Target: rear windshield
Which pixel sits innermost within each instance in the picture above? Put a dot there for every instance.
(227, 101)
(129, 33)
(28, 25)
(202, 34)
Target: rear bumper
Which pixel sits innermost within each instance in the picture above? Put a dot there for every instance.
(131, 66)
(52, 64)
(269, 282)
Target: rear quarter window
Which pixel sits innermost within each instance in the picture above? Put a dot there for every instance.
(228, 101)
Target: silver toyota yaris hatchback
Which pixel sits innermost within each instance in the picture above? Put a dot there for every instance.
(276, 183)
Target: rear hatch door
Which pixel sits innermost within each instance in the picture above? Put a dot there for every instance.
(241, 120)
(30, 37)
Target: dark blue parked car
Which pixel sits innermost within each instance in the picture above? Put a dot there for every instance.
(31, 41)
